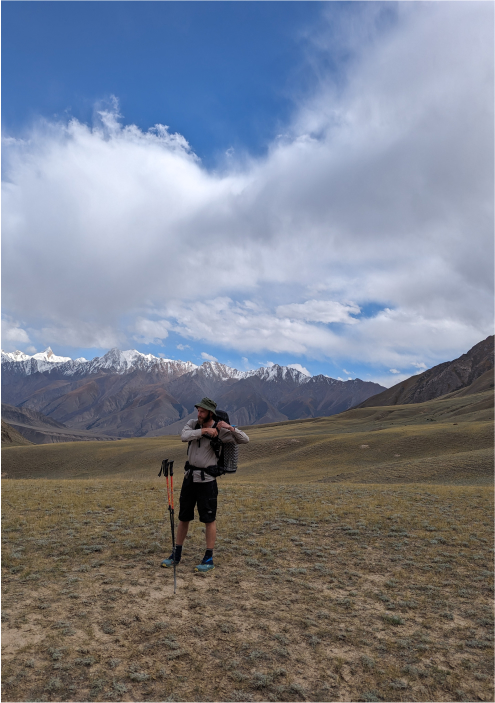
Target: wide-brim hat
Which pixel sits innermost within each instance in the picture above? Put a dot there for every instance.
(207, 404)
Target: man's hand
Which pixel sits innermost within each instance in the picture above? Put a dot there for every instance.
(225, 426)
(209, 432)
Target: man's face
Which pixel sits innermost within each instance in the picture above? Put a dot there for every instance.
(203, 415)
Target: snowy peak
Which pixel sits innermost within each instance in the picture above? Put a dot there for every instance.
(49, 356)
(131, 360)
(216, 371)
(123, 362)
(43, 361)
(278, 373)
(114, 361)
(14, 356)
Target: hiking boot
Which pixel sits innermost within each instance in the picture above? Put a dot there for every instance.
(205, 566)
(169, 562)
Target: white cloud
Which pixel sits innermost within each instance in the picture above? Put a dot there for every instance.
(394, 371)
(208, 357)
(349, 373)
(82, 334)
(388, 380)
(419, 365)
(12, 334)
(339, 379)
(320, 311)
(183, 347)
(150, 331)
(379, 192)
(300, 368)
(246, 364)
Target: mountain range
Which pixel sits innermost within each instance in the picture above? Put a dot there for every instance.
(130, 394)
(49, 398)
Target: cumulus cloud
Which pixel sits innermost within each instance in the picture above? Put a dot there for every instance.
(320, 311)
(151, 331)
(208, 357)
(300, 368)
(394, 371)
(242, 327)
(12, 334)
(380, 192)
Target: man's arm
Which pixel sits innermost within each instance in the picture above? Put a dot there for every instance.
(228, 433)
(189, 433)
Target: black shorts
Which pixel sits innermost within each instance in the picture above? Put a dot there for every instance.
(204, 494)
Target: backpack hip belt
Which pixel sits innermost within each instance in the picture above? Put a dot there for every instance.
(210, 470)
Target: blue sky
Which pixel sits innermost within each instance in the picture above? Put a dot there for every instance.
(225, 75)
(318, 190)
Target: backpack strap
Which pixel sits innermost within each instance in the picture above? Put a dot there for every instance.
(203, 471)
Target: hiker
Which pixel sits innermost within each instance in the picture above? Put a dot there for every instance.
(200, 487)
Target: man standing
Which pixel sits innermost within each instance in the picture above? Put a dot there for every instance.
(200, 487)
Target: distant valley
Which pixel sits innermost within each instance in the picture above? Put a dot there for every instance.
(128, 394)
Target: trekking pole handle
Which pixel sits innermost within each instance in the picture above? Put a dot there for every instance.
(171, 467)
(163, 469)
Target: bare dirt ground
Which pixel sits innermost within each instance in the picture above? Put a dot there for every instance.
(321, 592)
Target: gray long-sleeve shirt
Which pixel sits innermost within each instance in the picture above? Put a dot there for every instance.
(200, 452)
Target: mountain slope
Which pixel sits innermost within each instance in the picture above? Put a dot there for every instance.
(439, 380)
(449, 439)
(36, 428)
(129, 394)
(11, 437)
(24, 416)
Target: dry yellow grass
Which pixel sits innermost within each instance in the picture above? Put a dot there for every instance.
(321, 592)
(445, 441)
(349, 566)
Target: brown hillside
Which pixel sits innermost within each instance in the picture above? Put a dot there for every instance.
(12, 438)
(448, 439)
(442, 379)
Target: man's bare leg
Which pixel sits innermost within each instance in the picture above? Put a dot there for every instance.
(181, 533)
(211, 534)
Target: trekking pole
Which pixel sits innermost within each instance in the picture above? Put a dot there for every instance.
(172, 520)
(166, 465)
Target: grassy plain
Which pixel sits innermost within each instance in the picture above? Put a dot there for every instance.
(328, 586)
(441, 441)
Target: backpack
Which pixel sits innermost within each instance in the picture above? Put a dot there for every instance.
(227, 453)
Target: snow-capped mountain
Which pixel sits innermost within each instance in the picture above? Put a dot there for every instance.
(15, 356)
(129, 394)
(121, 362)
(47, 356)
(280, 373)
(114, 361)
(42, 361)
(218, 371)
